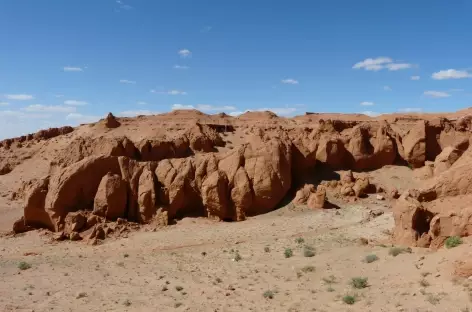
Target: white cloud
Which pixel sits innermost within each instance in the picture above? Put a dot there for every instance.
(127, 81)
(387, 88)
(75, 103)
(371, 113)
(379, 63)
(80, 118)
(367, 103)
(134, 113)
(398, 66)
(141, 103)
(210, 108)
(59, 95)
(181, 67)
(185, 53)
(181, 106)
(4, 103)
(123, 5)
(415, 77)
(451, 74)
(289, 81)
(373, 64)
(410, 110)
(170, 92)
(72, 69)
(19, 97)
(280, 111)
(436, 94)
(49, 108)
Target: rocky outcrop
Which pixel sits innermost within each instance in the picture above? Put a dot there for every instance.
(111, 121)
(317, 200)
(111, 197)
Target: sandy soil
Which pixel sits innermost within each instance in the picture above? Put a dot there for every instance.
(192, 266)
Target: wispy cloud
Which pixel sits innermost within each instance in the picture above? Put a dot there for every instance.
(205, 107)
(184, 53)
(75, 103)
(410, 110)
(58, 95)
(379, 63)
(73, 69)
(280, 111)
(367, 103)
(456, 90)
(371, 113)
(49, 108)
(170, 92)
(127, 81)
(19, 97)
(415, 77)
(123, 6)
(4, 103)
(436, 94)
(387, 88)
(451, 74)
(141, 103)
(139, 112)
(206, 29)
(290, 81)
(80, 118)
(181, 67)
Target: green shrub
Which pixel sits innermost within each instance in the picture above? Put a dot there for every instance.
(24, 265)
(269, 294)
(359, 282)
(308, 251)
(395, 251)
(453, 241)
(299, 240)
(348, 299)
(371, 258)
(288, 253)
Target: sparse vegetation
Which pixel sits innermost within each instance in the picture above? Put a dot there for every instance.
(395, 251)
(330, 280)
(266, 249)
(127, 303)
(424, 283)
(330, 289)
(179, 288)
(288, 252)
(268, 294)
(308, 251)
(308, 268)
(359, 282)
(237, 257)
(371, 258)
(177, 304)
(24, 265)
(433, 299)
(453, 241)
(349, 299)
(299, 240)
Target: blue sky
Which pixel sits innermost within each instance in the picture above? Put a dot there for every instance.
(66, 62)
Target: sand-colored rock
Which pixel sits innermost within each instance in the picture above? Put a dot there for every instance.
(111, 197)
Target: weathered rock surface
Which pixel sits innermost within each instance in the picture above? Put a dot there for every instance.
(111, 197)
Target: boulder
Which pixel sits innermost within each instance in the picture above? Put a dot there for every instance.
(414, 145)
(317, 200)
(241, 194)
(301, 198)
(19, 226)
(34, 208)
(147, 195)
(361, 186)
(446, 159)
(215, 196)
(74, 187)
(111, 197)
(75, 222)
(111, 121)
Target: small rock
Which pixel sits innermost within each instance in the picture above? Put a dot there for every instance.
(380, 197)
(74, 236)
(81, 295)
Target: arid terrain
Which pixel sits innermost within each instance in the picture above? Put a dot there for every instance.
(192, 212)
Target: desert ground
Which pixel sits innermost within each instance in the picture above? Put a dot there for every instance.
(355, 254)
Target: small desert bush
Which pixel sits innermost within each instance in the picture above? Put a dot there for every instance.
(453, 241)
(308, 268)
(288, 253)
(24, 265)
(424, 283)
(266, 249)
(395, 251)
(269, 294)
(237, 257)
(349, 299)
(371, 258)
(299, 240)
(330, 280)
(308, 251)
(359, 282)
